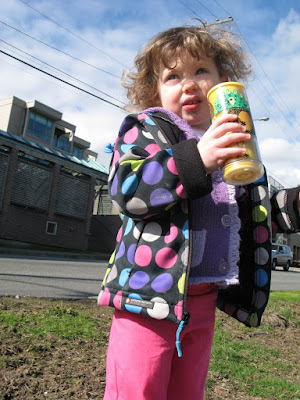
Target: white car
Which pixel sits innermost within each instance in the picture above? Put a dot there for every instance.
(281, 255)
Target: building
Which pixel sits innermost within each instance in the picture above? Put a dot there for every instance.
(292, 240)
(48, 177)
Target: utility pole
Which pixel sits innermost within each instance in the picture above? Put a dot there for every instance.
(229, 19)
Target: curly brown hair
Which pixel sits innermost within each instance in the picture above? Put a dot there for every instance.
(223, 46)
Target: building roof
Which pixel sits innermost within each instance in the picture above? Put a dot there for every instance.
(68, 158)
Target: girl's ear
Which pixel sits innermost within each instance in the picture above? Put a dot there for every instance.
(156, 100)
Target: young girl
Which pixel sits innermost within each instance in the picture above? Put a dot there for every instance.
(188, 240)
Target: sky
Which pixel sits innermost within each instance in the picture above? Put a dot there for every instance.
(90, 43)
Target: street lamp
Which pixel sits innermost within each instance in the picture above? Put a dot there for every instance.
(261, 119)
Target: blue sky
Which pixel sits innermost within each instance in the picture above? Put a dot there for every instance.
(106, 36)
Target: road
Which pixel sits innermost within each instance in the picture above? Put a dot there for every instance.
(38, 277)
(35, 277)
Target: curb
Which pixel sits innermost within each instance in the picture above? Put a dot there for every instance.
(13, 252)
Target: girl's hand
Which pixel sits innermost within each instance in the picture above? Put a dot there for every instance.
(213, 146)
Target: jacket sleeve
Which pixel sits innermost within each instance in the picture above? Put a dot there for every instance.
(144, 179)
(285, 212)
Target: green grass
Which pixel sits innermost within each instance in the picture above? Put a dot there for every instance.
(39, 336)
(246, 360)
(291, 296)
(59, 320)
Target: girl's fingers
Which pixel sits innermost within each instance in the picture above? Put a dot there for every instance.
(233, 138)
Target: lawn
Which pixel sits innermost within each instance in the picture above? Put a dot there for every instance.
(55, 349)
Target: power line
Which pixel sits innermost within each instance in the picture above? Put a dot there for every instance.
(60, 51)
(59, 70)
(72, 33)
(207, 9)
(59, 79)
(269, 94)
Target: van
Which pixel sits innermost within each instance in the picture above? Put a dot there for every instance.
(281, 255)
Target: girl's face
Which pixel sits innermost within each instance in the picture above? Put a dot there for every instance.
(183, 89)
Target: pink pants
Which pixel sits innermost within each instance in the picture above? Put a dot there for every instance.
(142, 361)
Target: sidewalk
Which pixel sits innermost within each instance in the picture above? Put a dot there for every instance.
(19, 251)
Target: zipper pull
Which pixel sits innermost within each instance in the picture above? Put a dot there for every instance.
(182, 324)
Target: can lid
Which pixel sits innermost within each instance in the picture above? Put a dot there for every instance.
(224, 84)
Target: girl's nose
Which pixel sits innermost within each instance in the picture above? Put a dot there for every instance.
(189, 85)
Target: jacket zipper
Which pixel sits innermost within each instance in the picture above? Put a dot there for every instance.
(185, 314)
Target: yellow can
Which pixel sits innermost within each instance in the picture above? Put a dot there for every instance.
(230, 97)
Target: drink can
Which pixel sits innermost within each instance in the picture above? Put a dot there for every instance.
(231, 98)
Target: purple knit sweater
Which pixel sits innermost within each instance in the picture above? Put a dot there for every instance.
(215, 225)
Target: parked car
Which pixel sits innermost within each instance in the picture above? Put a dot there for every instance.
(281, 255)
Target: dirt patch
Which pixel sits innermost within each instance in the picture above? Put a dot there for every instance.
(56, 368)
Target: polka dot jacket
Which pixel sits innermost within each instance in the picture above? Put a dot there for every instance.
(153, 177)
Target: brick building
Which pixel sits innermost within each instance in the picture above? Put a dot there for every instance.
(48, 177)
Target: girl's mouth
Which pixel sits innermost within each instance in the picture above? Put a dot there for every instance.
(191, 105)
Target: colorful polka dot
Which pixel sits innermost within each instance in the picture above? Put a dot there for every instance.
(253, 320)
(152, 173)
(117, 300)
(142, 116)
(242, 315)
(178, 309)
(185, 256)
(261, 277)
(180, 191)
(123, 278)
(160, 310)
(130, 184)
(137, 206)
(149, 121)
(114, 186)
(259, 214)
(143, 255)
(112, 257)
(181, 283)
(152, 232)
(261, 234)
(137, 231)
(104, 297)
(130, 307)
(161, 137)
(160, 197)
(138, 280)
(172, 167)
(259, 193)
(127, 147)
(121, 250)
(119, 234)
(112, 275)
(131, 135)
(152, 148)
(162, 283)
(172, 234)
(129, 226)
(147, 135)
(261, 256)
(130, 253)
(260, 299)
(185, 229)
(166, 257)
(106, 275)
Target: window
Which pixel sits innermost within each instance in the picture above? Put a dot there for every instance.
(61, 141)
(77, 152)
(51, 228)
(31, 184)
(39, 127)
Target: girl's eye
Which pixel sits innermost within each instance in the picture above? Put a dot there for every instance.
(201, 71)
(171, 77)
